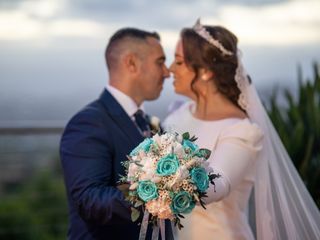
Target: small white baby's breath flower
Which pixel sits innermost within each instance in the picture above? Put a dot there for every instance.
(191, 163)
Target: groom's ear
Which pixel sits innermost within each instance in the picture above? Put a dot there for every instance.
(131, 62)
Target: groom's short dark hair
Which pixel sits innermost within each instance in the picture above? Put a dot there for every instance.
(122, 34)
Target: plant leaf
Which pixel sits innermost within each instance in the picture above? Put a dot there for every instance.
(138, 204)
(186, 136)
(135, 214)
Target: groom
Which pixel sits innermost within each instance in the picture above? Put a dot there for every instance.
(98, 138)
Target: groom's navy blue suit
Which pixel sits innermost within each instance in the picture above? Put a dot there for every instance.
(94, 143)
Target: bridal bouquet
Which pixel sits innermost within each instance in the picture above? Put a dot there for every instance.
(168, 174)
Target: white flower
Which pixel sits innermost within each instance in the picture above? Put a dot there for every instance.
(181, 174)
(174, 147)
(167, 139)
(143, 160)
(135, 158)
(155, 123)
(149, 165)
(157, 139)
(156, 179)
(191, 163)
(179, 138)
(133, 169)
(147, 176)
(178, 150)
(141, 154)
(148, 169)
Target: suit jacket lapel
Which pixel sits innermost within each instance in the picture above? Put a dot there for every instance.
(120, 117)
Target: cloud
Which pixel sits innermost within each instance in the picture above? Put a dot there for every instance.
(287, 23)
(17, 25)
(43, 9)
(267, 22)
(75, 28)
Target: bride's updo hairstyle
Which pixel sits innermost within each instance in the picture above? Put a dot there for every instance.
(199, 53)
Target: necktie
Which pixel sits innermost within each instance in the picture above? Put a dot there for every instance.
(142, 123)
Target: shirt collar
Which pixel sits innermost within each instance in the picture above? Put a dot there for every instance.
(126, 102)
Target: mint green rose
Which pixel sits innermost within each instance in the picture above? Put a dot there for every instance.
(167, 165)
(144, 146)
(182, 203)
(200, 178)
(188, 145)
(147, 190)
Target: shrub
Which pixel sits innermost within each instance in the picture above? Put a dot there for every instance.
(298, 124)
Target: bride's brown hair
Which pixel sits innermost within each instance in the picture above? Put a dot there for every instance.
(198, 53)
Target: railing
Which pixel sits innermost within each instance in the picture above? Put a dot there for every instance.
(30, 131)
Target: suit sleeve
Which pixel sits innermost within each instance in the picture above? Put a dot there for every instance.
(86, 154)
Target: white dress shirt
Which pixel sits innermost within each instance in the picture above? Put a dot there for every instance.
(126, 102)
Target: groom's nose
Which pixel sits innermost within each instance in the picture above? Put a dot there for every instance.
(166, 72)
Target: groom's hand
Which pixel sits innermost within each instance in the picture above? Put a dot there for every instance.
(124, 188)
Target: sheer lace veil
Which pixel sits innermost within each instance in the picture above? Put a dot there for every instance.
(283, 206)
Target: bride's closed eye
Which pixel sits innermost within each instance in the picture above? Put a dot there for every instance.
(179, 62)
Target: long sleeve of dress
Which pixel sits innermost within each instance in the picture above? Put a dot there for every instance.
(235, 152)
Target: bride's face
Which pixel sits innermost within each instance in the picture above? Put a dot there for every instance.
(182, 74)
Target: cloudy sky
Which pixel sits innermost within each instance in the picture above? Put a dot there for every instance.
(52, 50)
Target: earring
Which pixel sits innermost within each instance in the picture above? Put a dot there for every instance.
(204, 77)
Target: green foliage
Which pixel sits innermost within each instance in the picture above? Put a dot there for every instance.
(37, 210)
(298, 125)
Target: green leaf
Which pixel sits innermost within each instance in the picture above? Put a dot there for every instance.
(135, 214)
(138, 163)
(203, 152)
(186, 136)
(138, 204)
(193, 139)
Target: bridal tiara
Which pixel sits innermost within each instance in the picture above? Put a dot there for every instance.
(202, 32)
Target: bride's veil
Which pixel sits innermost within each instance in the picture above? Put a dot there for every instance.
(284, 208)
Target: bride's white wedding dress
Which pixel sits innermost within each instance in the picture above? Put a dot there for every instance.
(235, 144)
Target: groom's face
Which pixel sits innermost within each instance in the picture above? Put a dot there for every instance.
(153, 70)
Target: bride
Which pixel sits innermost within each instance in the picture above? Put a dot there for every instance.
(226, 114)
